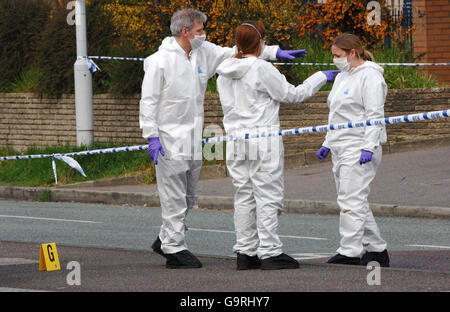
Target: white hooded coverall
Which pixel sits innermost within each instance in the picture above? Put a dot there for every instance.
(171, 108)
(358, 94)
(250, 92)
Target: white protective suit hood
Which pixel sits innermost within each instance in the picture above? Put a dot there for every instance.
(368, 64)
(235, 68)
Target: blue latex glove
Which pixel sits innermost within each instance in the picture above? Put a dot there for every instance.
(322, 152)
(290, 54)
(154, 148)
(331, 74)
(366, 156)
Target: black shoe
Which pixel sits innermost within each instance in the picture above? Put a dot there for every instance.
(279, 262)
(341, 259)
(381, 257)
(182, 260)
(156, 246)
(245, 262)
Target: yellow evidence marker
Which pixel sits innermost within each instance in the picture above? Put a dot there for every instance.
(48, 258)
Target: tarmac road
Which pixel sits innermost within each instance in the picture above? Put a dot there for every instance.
(112, 245)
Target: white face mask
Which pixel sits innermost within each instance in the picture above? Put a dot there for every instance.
(197, 41)
(341, 63)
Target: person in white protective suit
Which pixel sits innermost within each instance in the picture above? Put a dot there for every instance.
(171, 118)
(358, 93)
(250, 91)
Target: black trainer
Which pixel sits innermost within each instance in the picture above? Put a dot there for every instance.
(282, 261)
(245, 262)
(182, 260)
(381, 257)
(156, 246)
(341, 259)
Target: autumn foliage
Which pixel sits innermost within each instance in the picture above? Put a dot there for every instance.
(147, 23)
(339, 16)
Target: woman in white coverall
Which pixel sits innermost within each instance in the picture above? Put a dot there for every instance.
(251, 90)
(358, 93)
(171, 117)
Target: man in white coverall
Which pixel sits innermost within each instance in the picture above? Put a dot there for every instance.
(171, 118)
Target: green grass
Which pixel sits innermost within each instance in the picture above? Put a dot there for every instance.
(38, 172)
(401, 77)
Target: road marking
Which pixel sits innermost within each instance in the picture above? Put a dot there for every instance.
(14, 261)
(310, 256)
(47, 219)
(8, 289)
(232, 232)
(430, 246)
(304, 237)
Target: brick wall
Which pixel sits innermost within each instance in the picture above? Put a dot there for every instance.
(27, 120)
(432, 35)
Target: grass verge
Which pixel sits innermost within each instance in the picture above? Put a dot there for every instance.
(38, 172)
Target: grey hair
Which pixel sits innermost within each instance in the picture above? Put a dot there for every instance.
(185, 18)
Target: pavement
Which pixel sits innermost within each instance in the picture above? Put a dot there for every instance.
(414, 183)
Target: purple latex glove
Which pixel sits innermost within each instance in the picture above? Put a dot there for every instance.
(366, 156)
(154, 148)
(290, 54)
(322, 152)
(331, 74)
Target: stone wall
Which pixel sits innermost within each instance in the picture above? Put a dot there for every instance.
(28, 120)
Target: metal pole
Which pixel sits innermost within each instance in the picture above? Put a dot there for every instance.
(83, 81)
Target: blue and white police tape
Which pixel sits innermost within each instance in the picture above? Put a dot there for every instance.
(120, 58)
(92, 66)
(274, 63)
(332, 127)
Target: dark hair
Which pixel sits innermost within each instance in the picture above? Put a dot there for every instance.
(248, 38)
(347, 42)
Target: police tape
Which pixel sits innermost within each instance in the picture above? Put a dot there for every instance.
(332, 127)
(66, 157)
(274, 63)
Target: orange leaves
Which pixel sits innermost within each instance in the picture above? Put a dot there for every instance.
(147, 24)
(338, 16)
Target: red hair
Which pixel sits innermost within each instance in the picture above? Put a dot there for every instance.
(248, 38)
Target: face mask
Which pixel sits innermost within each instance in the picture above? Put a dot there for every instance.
(341, 63)
(197, 41)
